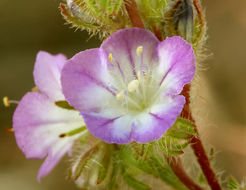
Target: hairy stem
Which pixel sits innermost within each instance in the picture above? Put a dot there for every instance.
(179, 171)
(135, 18)
(197, 145)
(157, 33)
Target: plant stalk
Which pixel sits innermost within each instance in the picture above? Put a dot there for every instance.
(134, 16)
(197, 145)
(177, 167)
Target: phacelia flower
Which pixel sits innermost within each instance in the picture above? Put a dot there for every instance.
(41, 127)
(128, 89)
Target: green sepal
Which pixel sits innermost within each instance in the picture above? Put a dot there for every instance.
(178, 134)
(105, 163)
(134, 183)
(64, 104)
(84, 160)
(165, 173)
(76, 22)
(116, 171)
(177, 138)
(185, 126)
(232, 184)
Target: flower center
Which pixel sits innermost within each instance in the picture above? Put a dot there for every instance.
(138, 94)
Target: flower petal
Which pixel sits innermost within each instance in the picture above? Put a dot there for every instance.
(176, 64)
(47, 73)
(123, 45)
(111, 128)
(38, 124)
(151, 126)
(85, 81)
(54, 156)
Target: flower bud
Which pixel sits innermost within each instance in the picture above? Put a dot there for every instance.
(76, 11)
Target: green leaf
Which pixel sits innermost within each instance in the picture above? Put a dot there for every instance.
(178, 134)
(166, 174)
(185, 125)
(134, 183)
(84, 160)
(117, 6)
(64, 104)
(113, 185)
(233, 184)
(105, 163)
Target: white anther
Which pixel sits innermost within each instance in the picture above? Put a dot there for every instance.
(133, 85)
(110, 57)
(120, 95)
(139, 50)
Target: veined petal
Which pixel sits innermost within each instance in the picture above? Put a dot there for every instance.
(111, 128)
(151, 126)
(176, 64)
(47, 73)
(110, 125)
(55, 154)
(38, 124)
(123, 45)
(86, 82)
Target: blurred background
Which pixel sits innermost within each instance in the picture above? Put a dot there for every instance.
(28, 26)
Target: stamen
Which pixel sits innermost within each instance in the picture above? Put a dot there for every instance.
(35, 89)
(10, 129)
(139, 50)
(7, 102)
(139, 77)
(120, 95)
(133, 85)
(110, 57)
(73, 132)
(62, 135)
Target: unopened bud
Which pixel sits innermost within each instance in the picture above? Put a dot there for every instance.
(180, 20)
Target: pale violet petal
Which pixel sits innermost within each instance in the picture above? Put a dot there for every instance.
(47, 73)
(38, 124)
(86, 81)
(176, 64)
(152, 125)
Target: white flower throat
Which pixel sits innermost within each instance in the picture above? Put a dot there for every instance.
(140, 93)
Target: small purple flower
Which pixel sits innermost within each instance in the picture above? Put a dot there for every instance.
(128, 89)
(38, 123)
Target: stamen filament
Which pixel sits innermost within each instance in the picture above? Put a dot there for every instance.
(7, 102)
(73, 132)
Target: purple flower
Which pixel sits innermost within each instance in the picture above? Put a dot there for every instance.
(41, 127)
(128, 89)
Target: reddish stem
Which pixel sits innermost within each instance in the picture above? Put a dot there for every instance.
(179, 171)
(197, 145)
(157, 33)
(135, 18)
